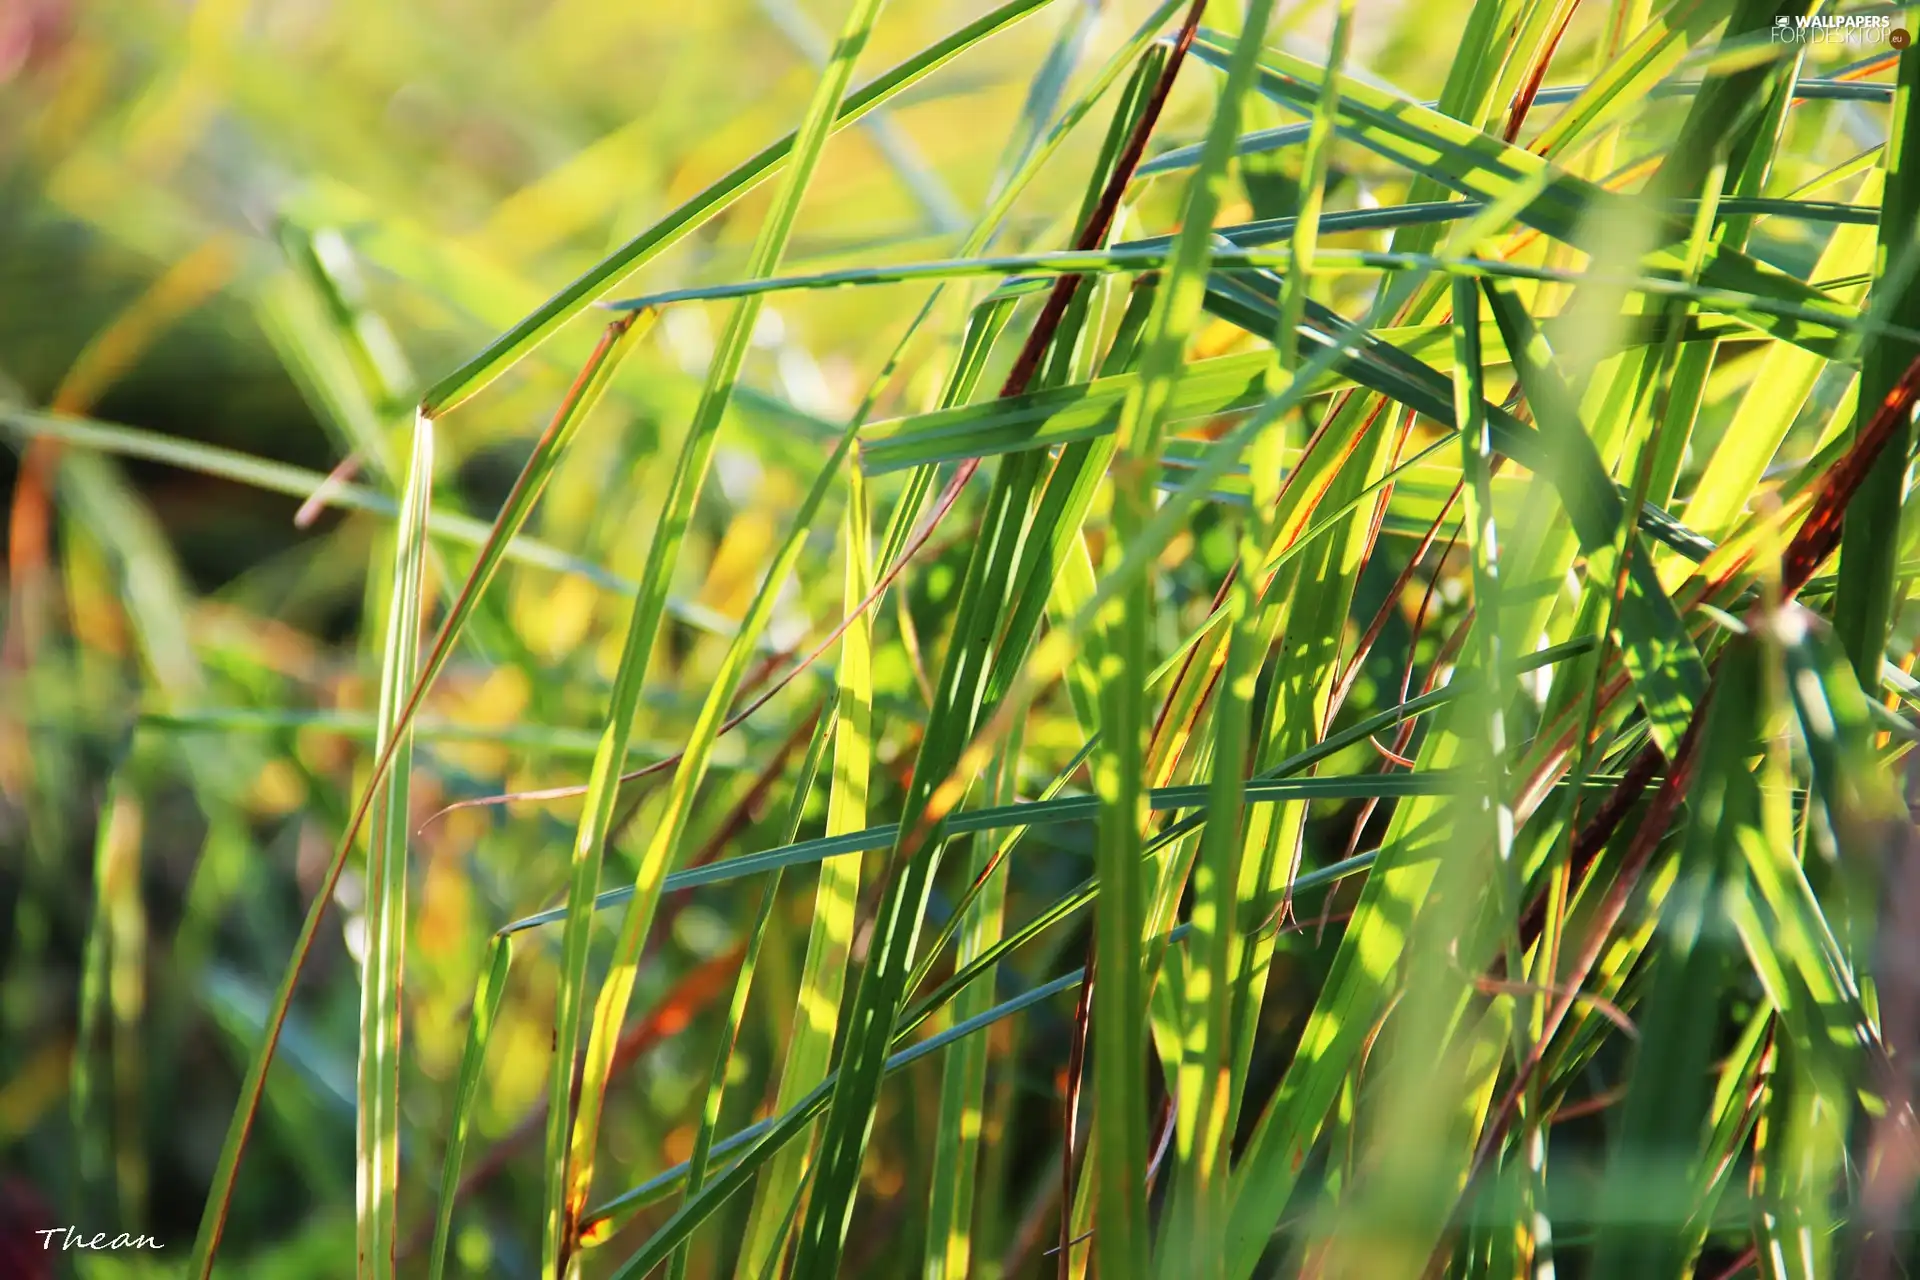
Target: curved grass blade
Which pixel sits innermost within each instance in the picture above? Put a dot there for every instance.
(1265, 790)
(1817, 327)
(922, 181)
(271, 476)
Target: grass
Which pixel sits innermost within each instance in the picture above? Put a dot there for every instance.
(1231, 641)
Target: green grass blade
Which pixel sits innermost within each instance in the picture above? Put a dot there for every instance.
(1634, 72)
(384, 965)
(961, 1124)
(1773, 400)
(1119, 1004)
(823, 974)
(1666, 668)
(105, 993)
(1668, 1099)
(1267, 789)
(1817, 326)
(487, 998)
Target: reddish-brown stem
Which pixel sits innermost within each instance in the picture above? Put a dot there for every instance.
(1536, 74)
(322, 494)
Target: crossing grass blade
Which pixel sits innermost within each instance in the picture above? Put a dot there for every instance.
(1222, 384)
(1818, 329)
(1772, 401)
(1472, 164)
(1667, 670)
(515, 344)
(1277, 786)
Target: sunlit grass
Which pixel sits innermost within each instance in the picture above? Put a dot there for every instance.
(1165, 640)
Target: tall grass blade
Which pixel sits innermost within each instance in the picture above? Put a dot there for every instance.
(823, 973)
(383, 968)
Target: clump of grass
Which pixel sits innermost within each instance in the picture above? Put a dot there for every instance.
(1325, 699)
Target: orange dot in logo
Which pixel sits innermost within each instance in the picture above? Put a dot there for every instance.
(1899, 38)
